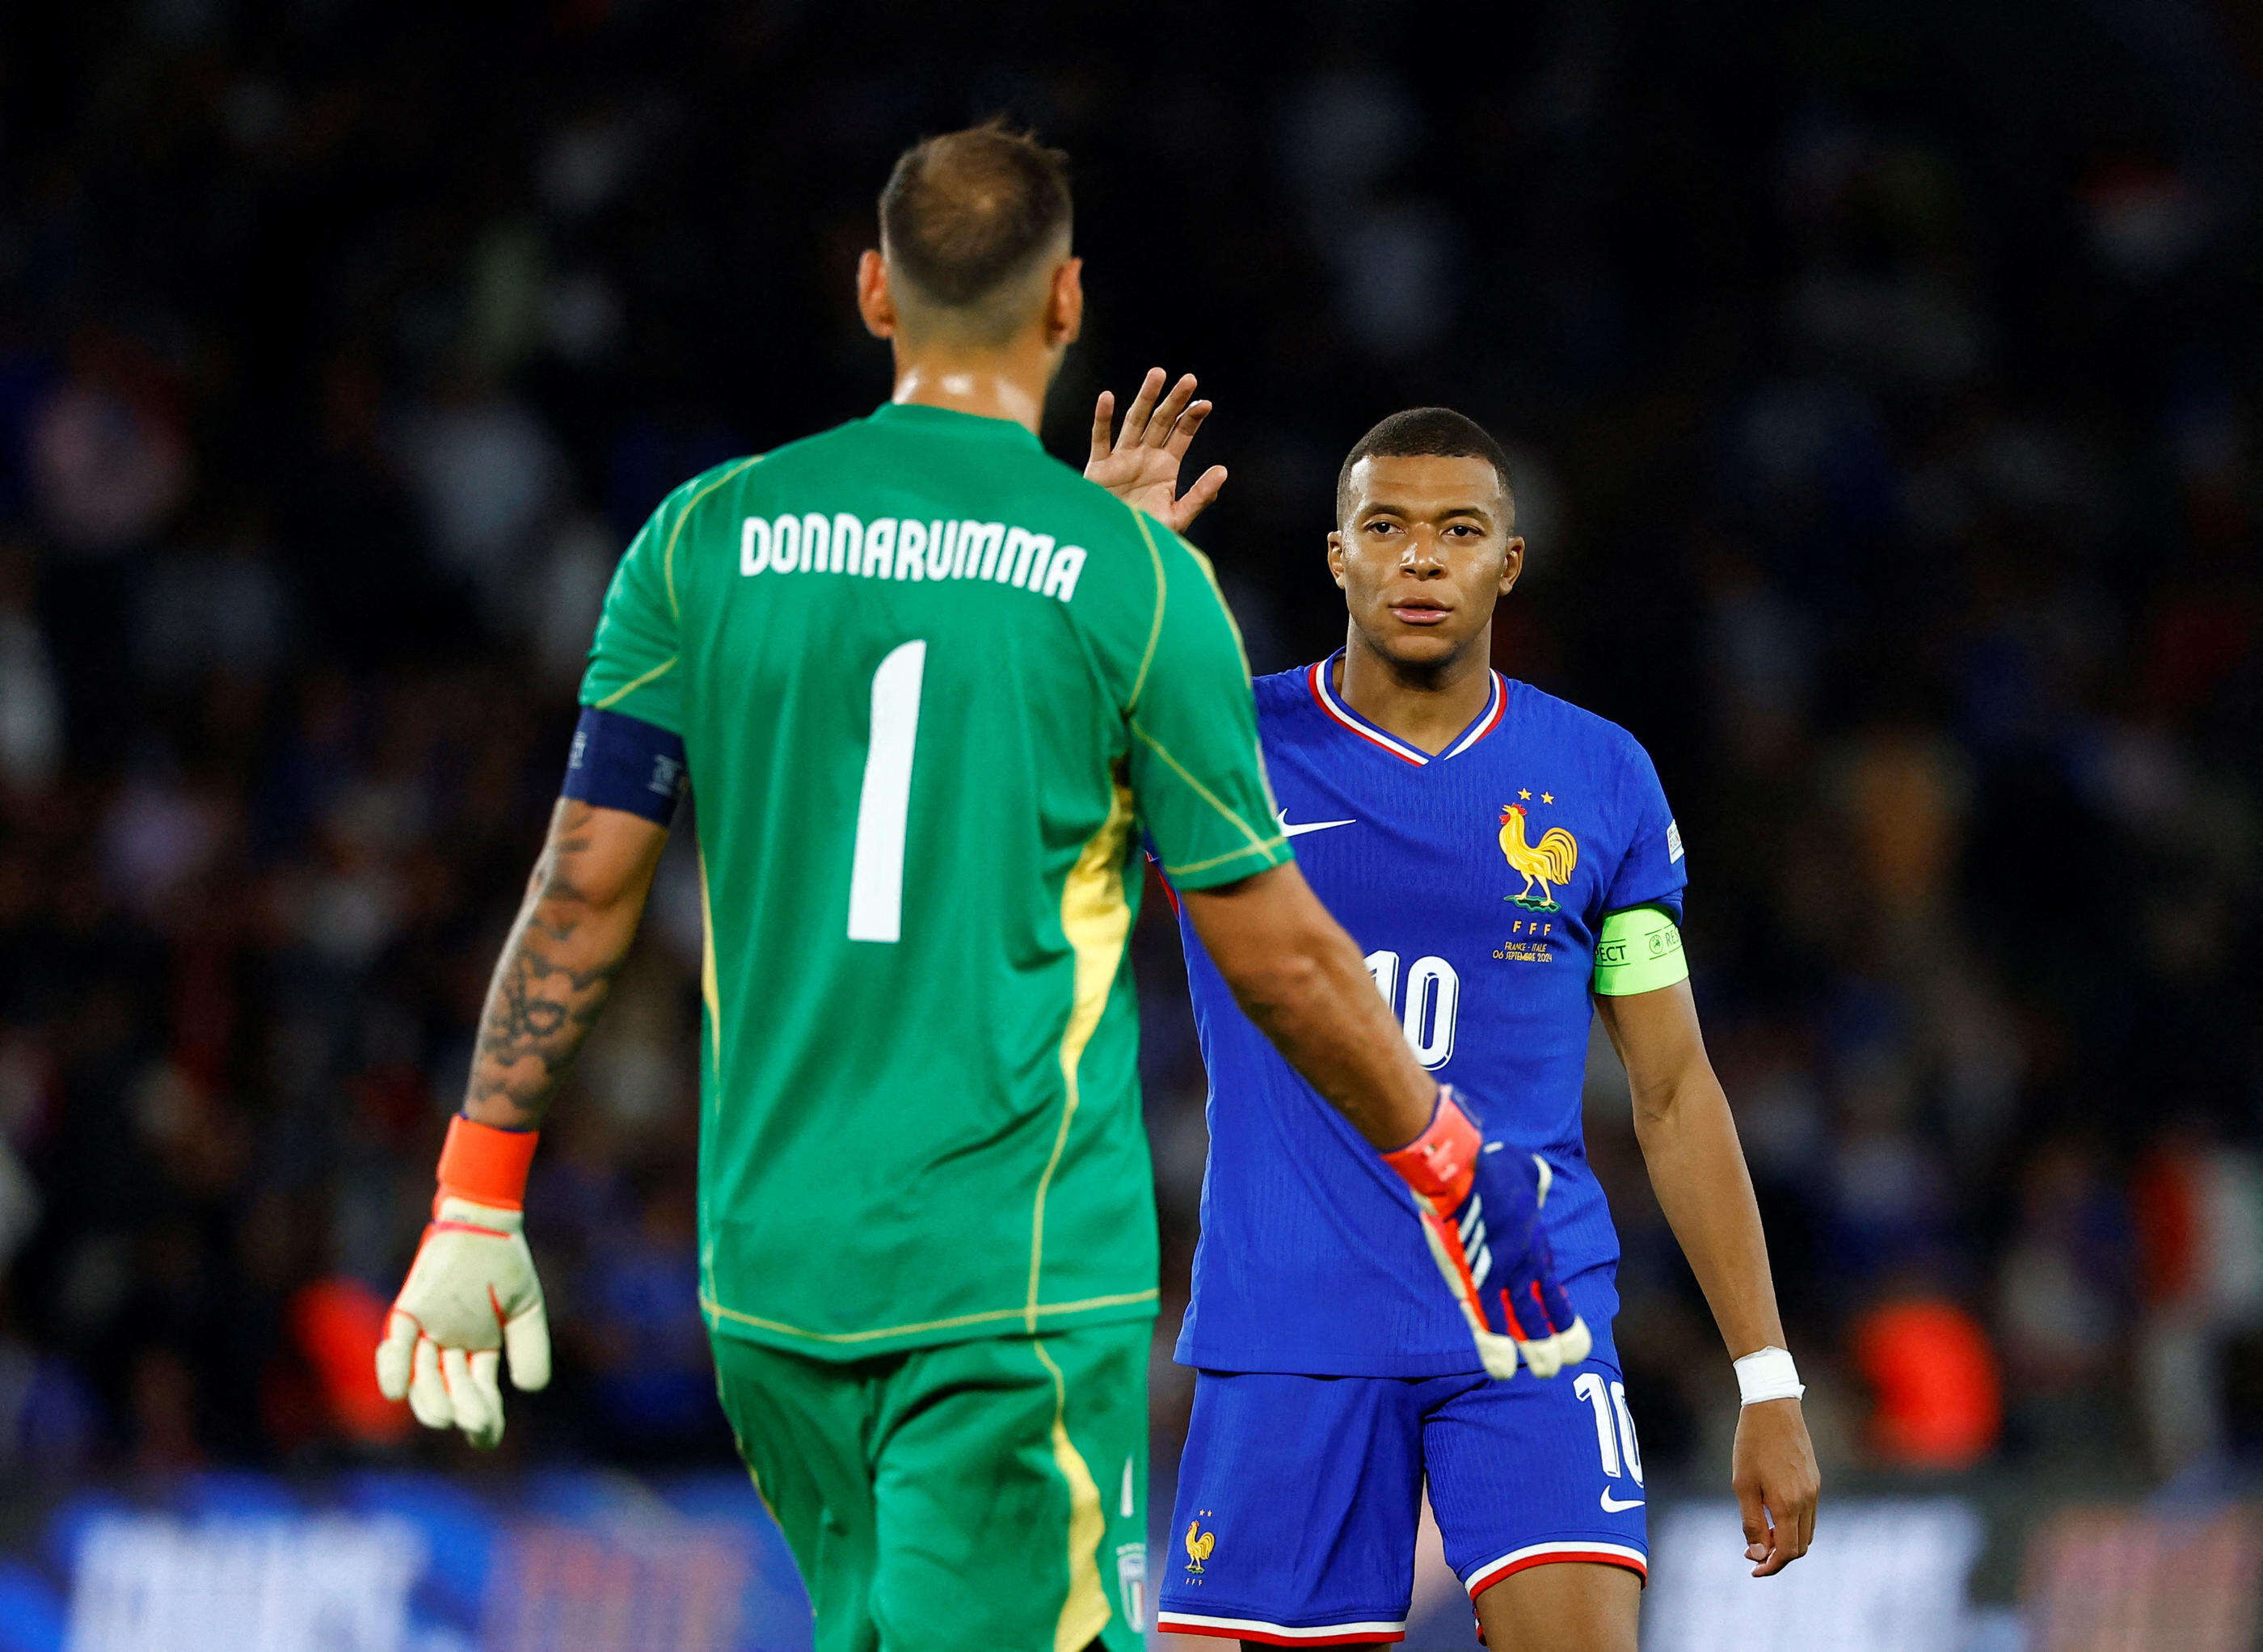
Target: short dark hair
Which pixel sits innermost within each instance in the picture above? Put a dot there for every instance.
(966, 212)
(1426, 432)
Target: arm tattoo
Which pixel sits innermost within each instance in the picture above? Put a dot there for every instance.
(556, 970)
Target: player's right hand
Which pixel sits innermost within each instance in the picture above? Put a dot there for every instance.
(1140, 463)
(470, 1297)
(1479, 1205)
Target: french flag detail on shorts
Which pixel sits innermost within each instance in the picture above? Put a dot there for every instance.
(1281, 1633)
(1483, 1577)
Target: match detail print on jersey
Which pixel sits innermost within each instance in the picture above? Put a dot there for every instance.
(813, 543)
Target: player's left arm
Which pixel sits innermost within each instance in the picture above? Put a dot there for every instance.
(1689, 1142)
(472, 1297)
(625, 774)
(582, 906)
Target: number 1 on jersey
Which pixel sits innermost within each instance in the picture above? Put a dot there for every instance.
(876, 883)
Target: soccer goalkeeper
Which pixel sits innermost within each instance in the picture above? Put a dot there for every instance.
(931, 687)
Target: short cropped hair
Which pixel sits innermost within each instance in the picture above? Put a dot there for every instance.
(968, 215)
(1426, 432)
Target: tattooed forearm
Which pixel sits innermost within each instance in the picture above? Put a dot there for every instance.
(572, 935)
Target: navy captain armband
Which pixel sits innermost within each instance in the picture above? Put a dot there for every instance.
(626, 763)
(1639, 951)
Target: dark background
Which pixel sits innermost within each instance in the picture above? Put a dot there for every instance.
(1882, 383)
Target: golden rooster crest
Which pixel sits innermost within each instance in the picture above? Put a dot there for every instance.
(1546, 864)
(1199, 1544)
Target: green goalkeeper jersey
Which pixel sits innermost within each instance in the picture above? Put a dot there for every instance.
(933, 688)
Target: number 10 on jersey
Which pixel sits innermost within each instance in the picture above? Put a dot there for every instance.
(1434, 998)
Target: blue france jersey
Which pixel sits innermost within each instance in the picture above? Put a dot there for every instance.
(1475, 882)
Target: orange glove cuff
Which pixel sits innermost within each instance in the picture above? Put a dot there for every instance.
(486, 1165)
(1442, 1160)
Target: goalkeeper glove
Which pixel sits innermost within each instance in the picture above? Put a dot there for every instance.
(471, 1294)
(1479, 1204)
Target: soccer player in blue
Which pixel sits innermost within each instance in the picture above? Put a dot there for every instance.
(1508, 864)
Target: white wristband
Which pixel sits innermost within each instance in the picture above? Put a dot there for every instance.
(1769, 1374)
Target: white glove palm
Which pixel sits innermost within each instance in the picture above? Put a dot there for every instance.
(471, 1297)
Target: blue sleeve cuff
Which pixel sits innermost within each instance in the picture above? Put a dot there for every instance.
(626, 763)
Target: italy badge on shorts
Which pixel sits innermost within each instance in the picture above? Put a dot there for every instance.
(1131, 1584)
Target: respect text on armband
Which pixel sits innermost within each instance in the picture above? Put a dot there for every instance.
(904, 549)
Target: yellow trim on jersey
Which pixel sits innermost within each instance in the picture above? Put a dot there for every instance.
(711, 996)
(1189, 870)
(1084, 1610)
(1097, 921)
(1155, 630)
(668, 556)
(710, 989)
(636, 683)
(957, 1321)
(757, 1480)
(1204, 793)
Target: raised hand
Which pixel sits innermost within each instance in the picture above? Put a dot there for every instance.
(1140, 463)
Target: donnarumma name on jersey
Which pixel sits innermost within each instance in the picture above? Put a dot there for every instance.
(905, 549)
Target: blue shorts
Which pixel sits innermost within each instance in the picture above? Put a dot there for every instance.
(1299, 1496)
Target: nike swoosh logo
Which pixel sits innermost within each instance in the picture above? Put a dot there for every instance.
(1612, 1505)
(1287, 831)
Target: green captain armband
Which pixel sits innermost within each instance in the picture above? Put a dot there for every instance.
(1639, 951)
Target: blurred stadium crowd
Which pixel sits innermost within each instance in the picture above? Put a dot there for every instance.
(1882, 382)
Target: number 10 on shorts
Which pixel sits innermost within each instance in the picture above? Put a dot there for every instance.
(1613, 1424)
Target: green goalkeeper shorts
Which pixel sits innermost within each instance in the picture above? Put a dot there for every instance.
(984, 1495)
